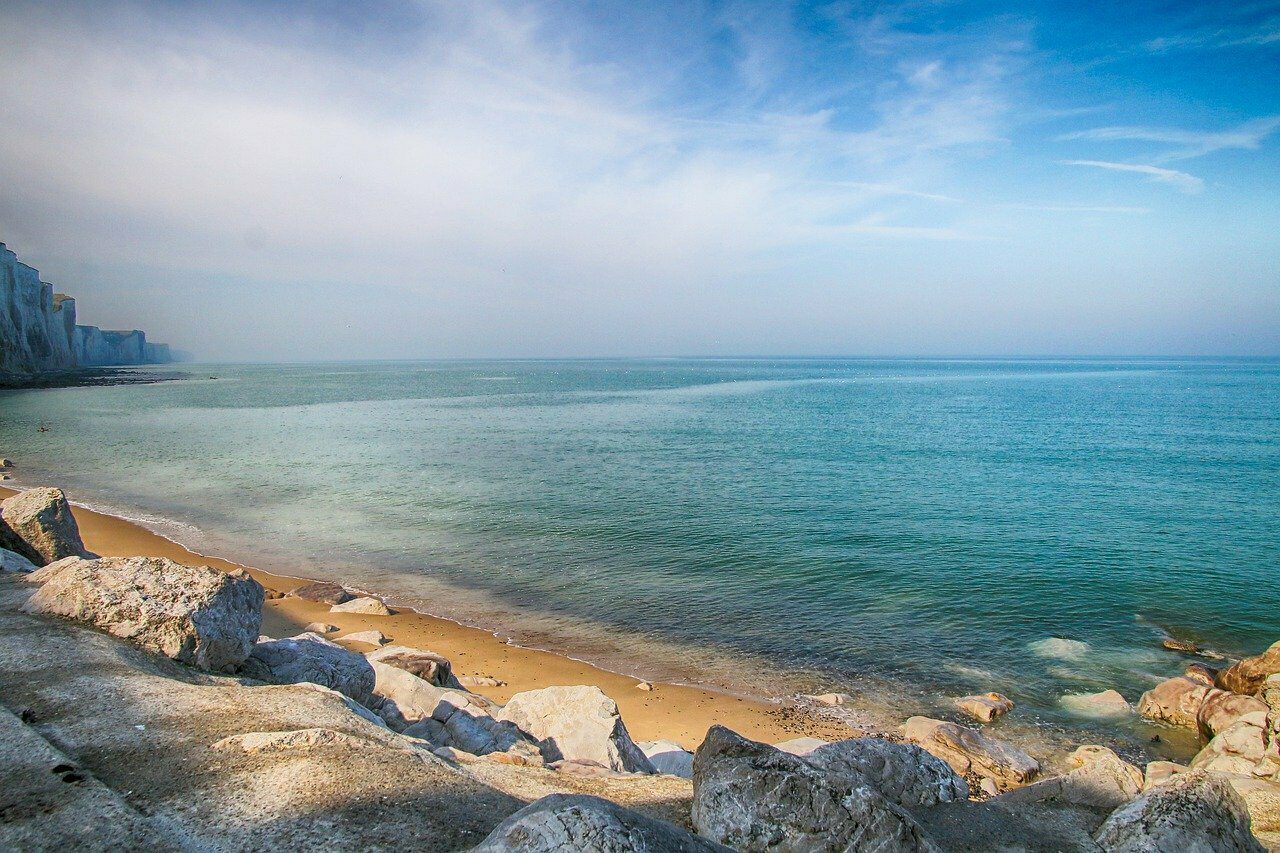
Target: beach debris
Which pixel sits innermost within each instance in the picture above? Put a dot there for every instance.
(1220, 709)
(829, 698)
(372, 638)
(581, 822)
(322, 592)
(194, 614)
(969, 751)
(365, 606)
(750, 796)
(1175, 700)
(1246, 675)
(1107, 703)
(1192, 811)
(311, 658)
(429, 666)
(646, 686)
(1101, 780)
(38, 524)
(668, 757)
(576, 722)
(801, 746)
(903, 773)
(273, 594)
(320, 628)
(985, 707)
(480, 681)
(6, 463)
(11, 561)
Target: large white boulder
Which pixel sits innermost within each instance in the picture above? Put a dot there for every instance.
(970, 751)
(1191, 813)
(311, 658)
(576, 723)
(38, 524)
(751, 796)
(194, 614)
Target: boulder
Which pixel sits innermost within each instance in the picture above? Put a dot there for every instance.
(320, 628)
(1220, 709)
(1100, 780)
(364, 606)
(902, 773)
(586, 768)
(1269, 766)
(43, 573)
(801, 746)
(11, 561)
(750, 796)
(369, 638)
(1262, 799)
(576, 722)
(1200, 672)
(1176, 701)
(1159, 772)
(38, 524)
(1108, 703)
(831, 698)
(1236, 749)
(443, 716)
(429, 666)
(322, 592)
(986, 706)
(969, 751)
(578, 822)
(1245, 676)
(196, 615)
(311, 658)
(668, 757)
(1190, 813)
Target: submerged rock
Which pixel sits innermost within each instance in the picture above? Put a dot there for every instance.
(38, 524)
(562, 822)
(751, 797)
(322, 592)
(902, 773)
(194, 614)
(1108, 703)
(1191, 812)
(986, 706)
(312, 658)
(969, 751)
(1247, 675)
(576, 722)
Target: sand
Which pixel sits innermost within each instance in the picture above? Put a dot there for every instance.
(671, 712)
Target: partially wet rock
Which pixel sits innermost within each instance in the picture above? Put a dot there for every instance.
(311, 658)
(985, 707)
(196, 615)
(752, 797)
(969, 751)
(902, 773)
(576, 822)
(1191, 813)
(1176, 701)
(576, 722)
(1108, 703)
(322, 592)
(1247, 675)
(38, 524)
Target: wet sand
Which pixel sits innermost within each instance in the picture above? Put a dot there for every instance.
(671, 712)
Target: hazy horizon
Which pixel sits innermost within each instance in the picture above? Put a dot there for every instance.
(328, 181)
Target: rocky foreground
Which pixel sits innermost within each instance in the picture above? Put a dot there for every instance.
(142, 708)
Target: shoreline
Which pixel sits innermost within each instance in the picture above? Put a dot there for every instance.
(677, 712)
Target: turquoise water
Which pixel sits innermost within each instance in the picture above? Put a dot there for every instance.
(807, 523)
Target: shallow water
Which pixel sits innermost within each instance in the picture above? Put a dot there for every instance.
(806, 523)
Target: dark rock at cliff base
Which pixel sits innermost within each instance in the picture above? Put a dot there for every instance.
(38, 524)
(752, 796)
(578, 822)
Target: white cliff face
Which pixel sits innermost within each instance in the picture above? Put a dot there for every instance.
(35, 332)
(38, 331)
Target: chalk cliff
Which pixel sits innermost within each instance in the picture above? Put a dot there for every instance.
(38, 331)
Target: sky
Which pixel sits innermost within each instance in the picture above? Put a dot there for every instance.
(344, 180)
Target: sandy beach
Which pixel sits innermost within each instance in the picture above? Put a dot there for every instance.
(672, 712)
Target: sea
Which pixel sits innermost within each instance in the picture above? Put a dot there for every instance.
(903, 530)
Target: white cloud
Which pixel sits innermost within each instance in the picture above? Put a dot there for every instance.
(1181, 180)
(1193, 143)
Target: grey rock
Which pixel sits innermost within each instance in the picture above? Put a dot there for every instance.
(322, 592)
(565, 822)
(668, 757)
(461, 720)
(751, 796)
(194, 614)
(576, 722)
(38, 524)
(903, 773)
(311, 658)
(11, 561)
(1191, 813)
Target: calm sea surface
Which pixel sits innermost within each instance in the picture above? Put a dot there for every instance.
(773, 525)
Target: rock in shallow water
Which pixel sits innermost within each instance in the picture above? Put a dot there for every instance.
(1108, 703)
(985, 707)
(564, 822)
(1175, 700)
(196, 615)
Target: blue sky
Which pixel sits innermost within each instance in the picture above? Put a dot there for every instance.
(329, 180)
